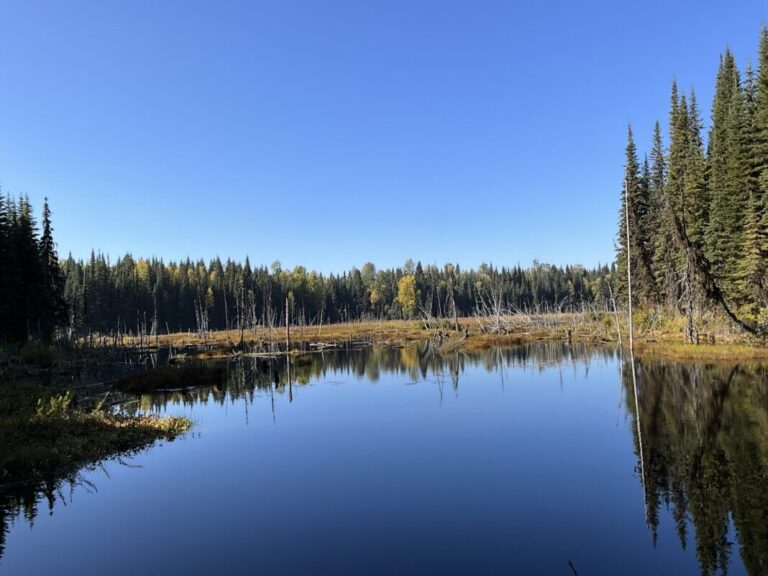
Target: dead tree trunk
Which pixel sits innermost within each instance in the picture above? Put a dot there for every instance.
(287, 327)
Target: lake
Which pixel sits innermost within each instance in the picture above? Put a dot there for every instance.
(525, 460)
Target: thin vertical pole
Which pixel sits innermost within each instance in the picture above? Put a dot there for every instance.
(631, 347)
(629, 261)
(639, 431)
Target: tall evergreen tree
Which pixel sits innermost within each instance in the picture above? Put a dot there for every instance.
(759, 96)
(710, 209)
(760, 145)
(6, 270)
(53, 305)
(26, 318)
(635, 200)
(724, 236)
(736, 209)
(695, 186)
(663, 233)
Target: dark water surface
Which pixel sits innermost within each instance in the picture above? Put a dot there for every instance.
(398, 461)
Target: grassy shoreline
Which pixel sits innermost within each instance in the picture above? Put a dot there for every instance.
(660, 337)
(43, 432)
(45, 436)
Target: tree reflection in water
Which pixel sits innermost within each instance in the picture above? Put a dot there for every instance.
(704, 429)
(705, 454)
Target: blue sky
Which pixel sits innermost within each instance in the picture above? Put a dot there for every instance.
(333, 133)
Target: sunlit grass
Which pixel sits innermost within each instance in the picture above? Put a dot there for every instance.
(660, 332)
(726, 352)
(43, 436)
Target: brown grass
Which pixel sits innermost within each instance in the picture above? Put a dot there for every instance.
(726, 352)
(660, 335)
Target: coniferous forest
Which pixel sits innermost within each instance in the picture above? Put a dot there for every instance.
(698, 206)
(78, 298)
(698, 219)
(32, 302)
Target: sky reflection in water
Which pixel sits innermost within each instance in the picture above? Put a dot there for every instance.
(399, 461)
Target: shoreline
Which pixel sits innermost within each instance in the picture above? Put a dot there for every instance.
(473, 335)
(36, 418)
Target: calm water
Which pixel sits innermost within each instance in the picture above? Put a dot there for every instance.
(390, 461)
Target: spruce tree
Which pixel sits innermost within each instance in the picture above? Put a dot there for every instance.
(663, 237)
(760, 145)
(636, 200)
(683, 203)
(668, 254)
(28, 286)
(737, 195)
(751, 269)
(720, 244)
(760, 111)
(6, 278)
(694, 186)
(53, 306)
(645, 214)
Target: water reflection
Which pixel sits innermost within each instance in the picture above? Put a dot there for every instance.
(704, 433)
(248, 377)
(252, 378)
(25, 501)
(701, 439)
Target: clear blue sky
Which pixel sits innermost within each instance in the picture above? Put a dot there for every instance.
(333, 133)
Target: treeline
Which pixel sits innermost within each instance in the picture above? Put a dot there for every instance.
(31, 283)
(698, 210)
(39, 299)
(151, 296)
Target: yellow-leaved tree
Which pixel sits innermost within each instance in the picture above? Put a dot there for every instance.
(407, 295)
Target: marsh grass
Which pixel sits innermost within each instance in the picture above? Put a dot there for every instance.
(45, 435)
(724, 352)
(656, 330)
